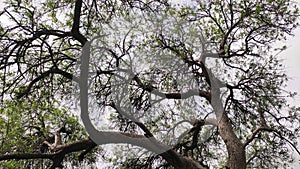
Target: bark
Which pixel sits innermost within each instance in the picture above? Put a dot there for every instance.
(235, 148)
(171, 156)
(76, 23)
(179, 161)
(57, 156)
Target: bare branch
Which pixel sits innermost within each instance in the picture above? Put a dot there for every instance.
(255, 132)
(44, 75)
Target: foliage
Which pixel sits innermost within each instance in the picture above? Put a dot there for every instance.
(167, 47)
(25, 124)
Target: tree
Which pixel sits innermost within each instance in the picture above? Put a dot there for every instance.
(192, 85)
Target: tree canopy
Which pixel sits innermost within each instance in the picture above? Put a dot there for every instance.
(167, 84)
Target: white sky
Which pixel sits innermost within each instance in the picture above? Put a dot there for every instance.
(292, 62)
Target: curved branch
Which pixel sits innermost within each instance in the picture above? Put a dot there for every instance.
(102, 137)
(44, 75)
(255, 132)
(264, 128)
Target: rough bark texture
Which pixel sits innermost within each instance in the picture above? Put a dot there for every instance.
(235, 148)
(179, 161)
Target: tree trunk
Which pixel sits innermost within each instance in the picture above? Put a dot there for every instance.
(235, 149)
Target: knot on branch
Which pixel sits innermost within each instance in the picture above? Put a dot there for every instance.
(56, 146)
(197, 125)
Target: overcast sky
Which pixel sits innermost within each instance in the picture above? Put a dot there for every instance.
(292, 62)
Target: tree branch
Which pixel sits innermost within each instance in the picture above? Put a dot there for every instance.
(102, 137)
(264, 128)
(76, 22)
(177, 95)
(44, 75)
(56, 157)
(25, 156)
(171, 156)
(251, 137)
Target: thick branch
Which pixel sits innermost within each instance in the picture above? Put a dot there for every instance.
(101, 137)
(56, 157)
(235, 149)
(171, 156)
(25, 156)
(57, 33)
(76, 22)
(177, 95)
(183, 95)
